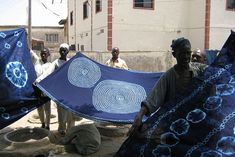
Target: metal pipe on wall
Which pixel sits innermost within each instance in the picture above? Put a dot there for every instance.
(29, 25)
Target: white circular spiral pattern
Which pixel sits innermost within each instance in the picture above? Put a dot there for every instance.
(83, 73)
(119, 97)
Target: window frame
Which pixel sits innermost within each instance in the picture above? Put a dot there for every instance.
(52, 38)
(145, 8)
(226, 7)
(85, 6)
(71, 18)
(100, 6)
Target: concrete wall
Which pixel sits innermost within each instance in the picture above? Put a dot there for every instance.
(71, 28)
(83, 26)
(147, 61)
(197, 23)
(100, 27)
(138, 29)
(149, 30)
(40, 33)
(222, 21)
(152, 30)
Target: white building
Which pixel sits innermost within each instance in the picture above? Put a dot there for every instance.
(148, 25)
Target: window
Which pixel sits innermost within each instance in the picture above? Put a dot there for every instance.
(98, 6)
(230, 5)
(71, 18)
(52, 38)
(82, 48)
(85, 10)
(145, 4)
(72, 47)
(37, 44)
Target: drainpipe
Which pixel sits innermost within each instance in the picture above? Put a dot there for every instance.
(91, 25)
(207, 24)
(75, 24)
(29, 25)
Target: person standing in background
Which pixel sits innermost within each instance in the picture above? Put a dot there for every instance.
(198, 56)
(44, 111)
(115, 61)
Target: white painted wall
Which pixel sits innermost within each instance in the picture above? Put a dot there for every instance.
(71, 28)
(83, 26)
(100, 21)
(149, 30)
(197, 23)
(222, 21)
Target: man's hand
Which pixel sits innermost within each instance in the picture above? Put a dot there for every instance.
(137, 121)
(37, 91)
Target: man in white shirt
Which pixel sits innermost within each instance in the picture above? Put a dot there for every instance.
(44, 111)
(115, 61)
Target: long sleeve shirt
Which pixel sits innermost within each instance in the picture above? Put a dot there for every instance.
(167, 86)
(53, 66)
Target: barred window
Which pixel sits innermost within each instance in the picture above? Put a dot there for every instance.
(52, 38)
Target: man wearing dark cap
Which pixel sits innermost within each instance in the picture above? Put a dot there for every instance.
(175, 79)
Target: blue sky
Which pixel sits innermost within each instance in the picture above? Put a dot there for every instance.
(44, 13)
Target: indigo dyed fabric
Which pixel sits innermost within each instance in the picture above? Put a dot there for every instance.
(197, 123)
(210, 56)
(17, 75)
(96, 91)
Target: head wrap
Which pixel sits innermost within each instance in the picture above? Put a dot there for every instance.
(180, 42)
(64, 45)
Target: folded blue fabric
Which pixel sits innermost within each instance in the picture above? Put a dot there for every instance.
(95, 91)
(17, 75)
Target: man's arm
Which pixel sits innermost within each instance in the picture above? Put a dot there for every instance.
(153, 102)
(47, 72)
(124, 66)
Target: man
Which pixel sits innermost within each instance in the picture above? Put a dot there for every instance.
(44, 111)
(66, 119)
(175, 79)
(115, 61)
(198, 56)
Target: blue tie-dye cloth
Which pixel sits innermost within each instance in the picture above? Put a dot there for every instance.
(98, 92)
(17, 75)
(196, 123)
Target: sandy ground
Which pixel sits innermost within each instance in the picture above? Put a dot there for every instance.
(109, 144)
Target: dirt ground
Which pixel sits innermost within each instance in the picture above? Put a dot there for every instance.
(109, 144)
